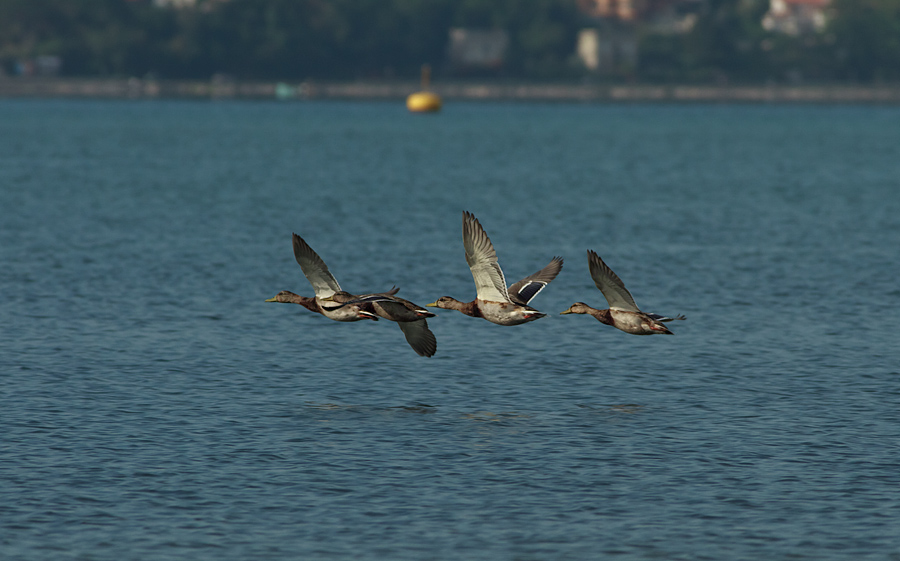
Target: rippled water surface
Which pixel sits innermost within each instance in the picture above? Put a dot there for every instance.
(153, 406)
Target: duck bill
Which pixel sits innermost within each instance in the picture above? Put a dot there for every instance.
(432, 305)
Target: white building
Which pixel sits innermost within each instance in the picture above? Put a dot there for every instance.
(796, 17)
(477, 49)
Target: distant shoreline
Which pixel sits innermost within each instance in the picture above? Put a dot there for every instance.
(133, 88)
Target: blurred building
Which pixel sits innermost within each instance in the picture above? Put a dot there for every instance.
(796, 17)
(622, 10)
(669, 14)
(202, 5)
(671, 17)
(609, 43)
(175, 3)
(44, 65)
(477, 50)
(607, 48)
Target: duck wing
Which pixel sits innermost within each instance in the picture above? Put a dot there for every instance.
(347, 298)
(394, 290)
(610, 284)
(523, 291)
(400, 310)
(317, 273)
(658, 317)
(490, 285)
(419, 311)
(419, 337)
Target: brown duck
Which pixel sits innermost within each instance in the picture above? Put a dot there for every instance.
(493, 300)
(336, 304)
(623, 313)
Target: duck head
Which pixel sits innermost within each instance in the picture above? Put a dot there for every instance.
(446, 303)
(577, 308)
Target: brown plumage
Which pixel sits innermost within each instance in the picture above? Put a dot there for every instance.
(409, 317)
(494, 301)
(623, 313)
(337, 312)
(336, 304)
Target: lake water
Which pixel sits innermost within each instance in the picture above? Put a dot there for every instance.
(153, 406)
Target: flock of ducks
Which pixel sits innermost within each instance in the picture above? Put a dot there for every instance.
(494, 301)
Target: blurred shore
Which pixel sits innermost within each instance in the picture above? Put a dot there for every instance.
(223, 88)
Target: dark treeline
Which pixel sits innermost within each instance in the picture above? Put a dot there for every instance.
(350, 39)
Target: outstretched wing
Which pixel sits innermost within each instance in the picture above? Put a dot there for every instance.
(658, 317)
(490, 285)
(523, 291)
(347, 298)
(322, 281)
(610, 284)
(419, 337)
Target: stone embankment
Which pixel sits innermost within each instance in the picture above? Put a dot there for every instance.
(220, 88)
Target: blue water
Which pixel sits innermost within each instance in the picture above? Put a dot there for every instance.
(153, 406)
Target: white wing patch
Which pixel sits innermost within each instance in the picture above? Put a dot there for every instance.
(490, 284)
(523, 291)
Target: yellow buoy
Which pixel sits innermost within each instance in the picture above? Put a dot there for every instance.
(424, 101)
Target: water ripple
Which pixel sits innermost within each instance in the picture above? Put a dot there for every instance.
(155, 407)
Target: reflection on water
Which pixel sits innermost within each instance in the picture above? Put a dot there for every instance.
(626, 408)
(480, 416)
(487, 416)
(416, 408)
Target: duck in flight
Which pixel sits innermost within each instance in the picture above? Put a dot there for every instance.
(494, 301)
(336, 304)
(409, 317)
(623, 313)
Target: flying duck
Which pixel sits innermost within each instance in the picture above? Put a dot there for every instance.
(623, 313)
(336, 304)
(494, 301)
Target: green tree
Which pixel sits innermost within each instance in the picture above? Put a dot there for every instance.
(724, 43)
(867, 39)
(100, 37)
